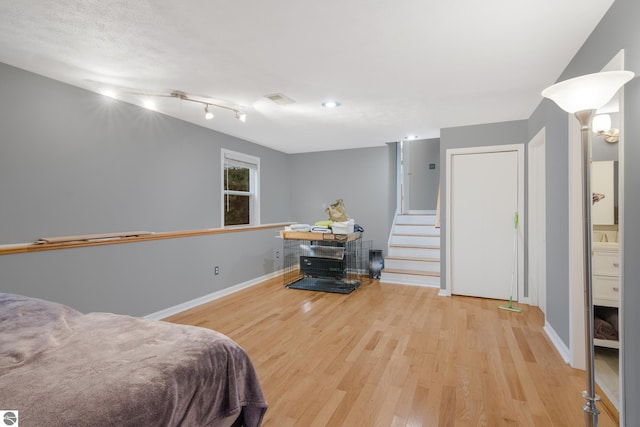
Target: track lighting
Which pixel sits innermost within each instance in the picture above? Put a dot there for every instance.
(241, 115)
(150, 103)
(207, 114)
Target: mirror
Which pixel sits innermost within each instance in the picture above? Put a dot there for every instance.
(603, 187)
(606, 262)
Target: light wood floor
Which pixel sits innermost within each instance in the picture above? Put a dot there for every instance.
(392, 355)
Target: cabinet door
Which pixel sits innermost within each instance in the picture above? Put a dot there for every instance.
(606, 291)
(606, 264)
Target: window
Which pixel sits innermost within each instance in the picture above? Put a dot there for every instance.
(240, 179)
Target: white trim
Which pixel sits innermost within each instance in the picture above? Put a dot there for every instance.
(444, 293)
(255, 184)
(399, 176)
(576, 271)
(159, 315)
(247, 158)
(557, 342)
(519, 149)
(536, 230)
(621, 240)
(393, 229)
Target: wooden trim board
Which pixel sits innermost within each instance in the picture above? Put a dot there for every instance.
(80, 241)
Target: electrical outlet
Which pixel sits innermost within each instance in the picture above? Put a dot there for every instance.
(216, 270)
(277, 254)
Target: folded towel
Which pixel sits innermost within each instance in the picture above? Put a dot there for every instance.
(300, 227)
(604, 330)
(326, 223)
(318, 229)
(609, 314)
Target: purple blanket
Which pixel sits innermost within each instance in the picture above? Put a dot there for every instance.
(59, 367)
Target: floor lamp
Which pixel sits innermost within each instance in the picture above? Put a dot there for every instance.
(582, 96)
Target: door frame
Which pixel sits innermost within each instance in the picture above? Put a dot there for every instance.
(519, 149)
(536, 196)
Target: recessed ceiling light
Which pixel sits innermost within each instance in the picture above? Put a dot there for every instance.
(331, 104)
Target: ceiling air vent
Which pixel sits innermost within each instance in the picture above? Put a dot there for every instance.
(280, 99)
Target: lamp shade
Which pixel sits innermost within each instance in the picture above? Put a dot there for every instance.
(588, 92)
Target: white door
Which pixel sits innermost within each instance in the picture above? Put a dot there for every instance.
(484, 197)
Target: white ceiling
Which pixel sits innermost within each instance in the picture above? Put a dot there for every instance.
(398, 67)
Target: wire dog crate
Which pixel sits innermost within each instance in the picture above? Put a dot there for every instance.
(322, 262)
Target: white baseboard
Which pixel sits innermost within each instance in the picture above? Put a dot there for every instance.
(557, 342)
(158, 315)
(400, 282)
(444, 293)
(526, 300)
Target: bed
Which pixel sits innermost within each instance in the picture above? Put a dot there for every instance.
(60, 367)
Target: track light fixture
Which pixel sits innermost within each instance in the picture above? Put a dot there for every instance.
(240, 115)
(150, 104)
(207, 114)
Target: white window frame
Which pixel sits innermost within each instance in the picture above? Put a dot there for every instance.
(254, 185)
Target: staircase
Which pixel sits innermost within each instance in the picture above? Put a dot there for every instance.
(414, 251)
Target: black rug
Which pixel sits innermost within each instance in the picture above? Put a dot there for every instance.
(325, 285)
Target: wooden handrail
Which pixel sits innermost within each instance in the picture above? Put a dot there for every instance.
(112, 239)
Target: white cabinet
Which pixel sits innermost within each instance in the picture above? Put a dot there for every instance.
(606, 281)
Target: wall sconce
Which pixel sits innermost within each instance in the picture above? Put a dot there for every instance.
(601, 123)
(583, 96)
(602, 126)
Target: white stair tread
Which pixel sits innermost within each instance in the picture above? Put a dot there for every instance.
(412, 272)
(409, 258)
(414, 246)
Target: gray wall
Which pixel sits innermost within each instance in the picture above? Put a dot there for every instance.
(423, 182)
(617, 30)
(360, 177)
(557, 206)
(74, 162)
(514, 132)
(141, 278)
